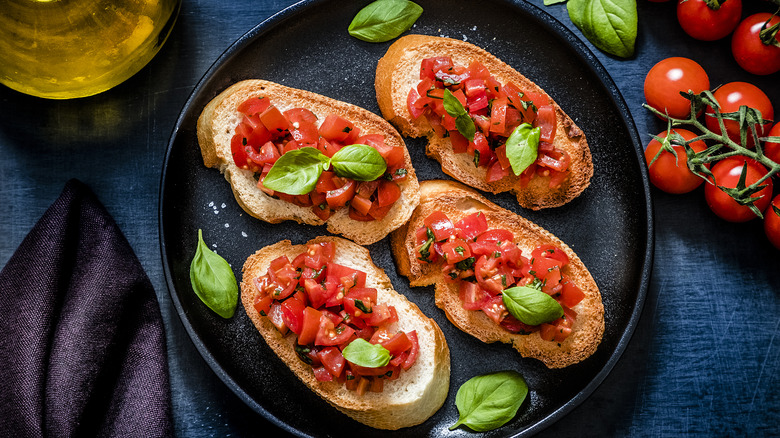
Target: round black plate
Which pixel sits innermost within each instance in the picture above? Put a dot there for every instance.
(306, 46)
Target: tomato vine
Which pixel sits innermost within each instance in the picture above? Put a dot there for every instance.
(721, 145)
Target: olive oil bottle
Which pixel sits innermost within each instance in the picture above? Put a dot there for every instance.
(61, 49)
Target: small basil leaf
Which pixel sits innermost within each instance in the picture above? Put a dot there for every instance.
(213, 281)
(365, 354)
(522, 147)
(611, 25)
(553, 2)
(490, 401)
(296, 172)
(531, 306)
(384, 20)
(359, 162)
(463, 121)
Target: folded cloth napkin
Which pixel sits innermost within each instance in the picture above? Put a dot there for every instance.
(82, 344)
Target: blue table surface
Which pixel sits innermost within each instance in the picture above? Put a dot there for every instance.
(704, 359)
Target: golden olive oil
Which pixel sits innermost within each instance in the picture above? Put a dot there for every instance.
(62, 49)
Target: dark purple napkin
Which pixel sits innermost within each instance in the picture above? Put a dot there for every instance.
(82, 344)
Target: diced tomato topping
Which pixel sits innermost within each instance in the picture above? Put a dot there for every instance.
(484, 262)
(265, 134)
(310, 326)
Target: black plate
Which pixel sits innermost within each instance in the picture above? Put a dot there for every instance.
(307, 46)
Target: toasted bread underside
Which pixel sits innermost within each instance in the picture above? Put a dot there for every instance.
(457, 201)
(399, 70)
(407, 401)
(216, 126)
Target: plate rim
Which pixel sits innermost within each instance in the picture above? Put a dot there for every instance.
(583, 53)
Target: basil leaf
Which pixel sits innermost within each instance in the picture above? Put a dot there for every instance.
(490, 401)
(296, 172)
(363, 353)
(359, 162)
(463, 120)
(384, 20)
(531, 306)
(522, 147)
(213, 281)
(553, 2)
(611, 25)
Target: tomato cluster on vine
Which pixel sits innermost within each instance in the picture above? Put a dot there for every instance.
(754, 39)
(666, 86)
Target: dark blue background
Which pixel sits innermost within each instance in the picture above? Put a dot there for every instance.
(704, 359)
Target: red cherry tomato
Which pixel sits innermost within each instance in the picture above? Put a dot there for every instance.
(750, 52)
(727, 173)
(669, 174)
(704, 23)
(733, 95)
(668, 78)
(772, 223)
(772, 149)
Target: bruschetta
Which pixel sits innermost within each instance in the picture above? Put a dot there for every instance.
(324, 308)
(498, 132)
(253, 125)
(480, 255)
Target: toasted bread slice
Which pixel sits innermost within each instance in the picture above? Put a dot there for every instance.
(216, 126)
(399, 70)
(457, 201)
(411, 399)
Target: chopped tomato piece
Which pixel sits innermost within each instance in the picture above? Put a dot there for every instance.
(456, 250)
(361, 204)
(310, 326)
(332, 360)
(254, 105)
(441, 225)
(546, 121)
(340, 196)
(389, 192)
(472, 225)
(328, 334)
(413, 351)
(335, 128)
(292, 315)
(472, 296)
(275, 121)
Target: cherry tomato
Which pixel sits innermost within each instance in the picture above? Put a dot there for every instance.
(671, 174)
(772, 149)
(668, 78)
(750, 51)
(727, 173)
(733, 95)
(705, 23)
(772, 223)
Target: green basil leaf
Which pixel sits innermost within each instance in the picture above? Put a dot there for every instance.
(296, 172)
(463, 120)
(490, 401)
(213, 280)
(522, 147)
(384, 20)
(363, 353)
(611, 25)
(359, 162)
(553, 2)
(531, 306)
